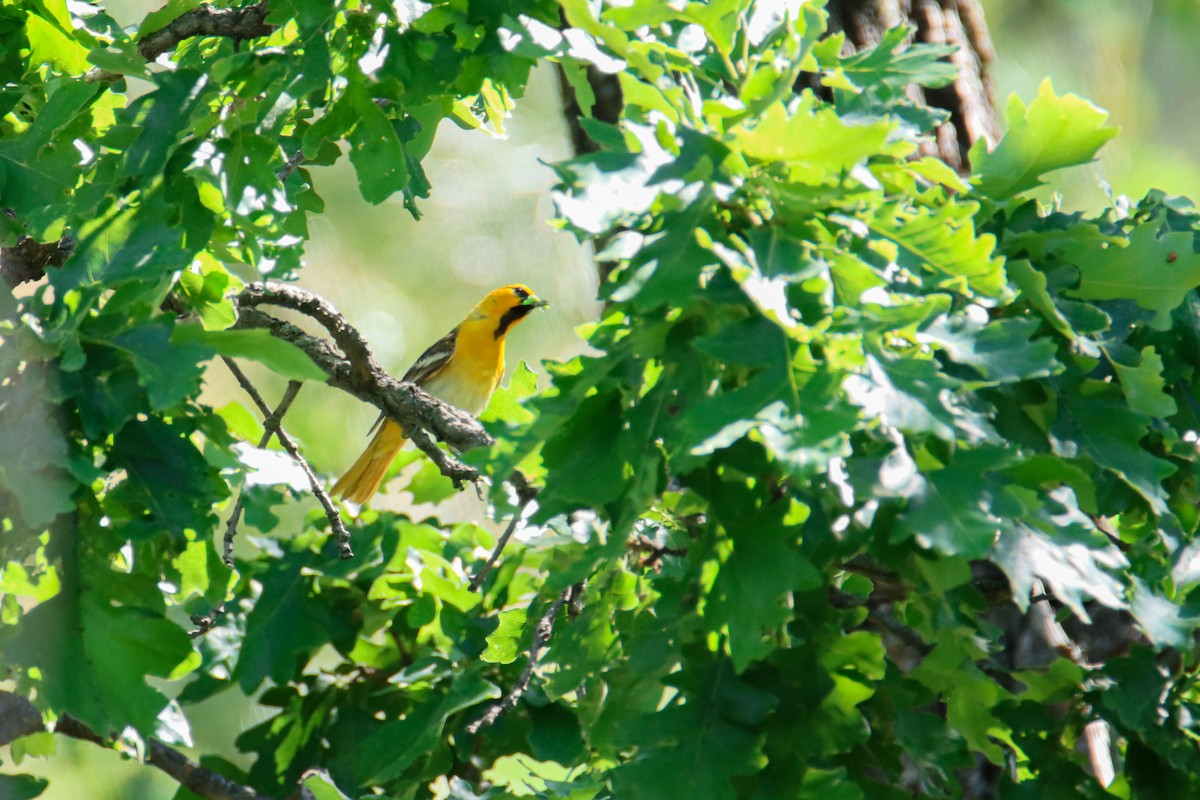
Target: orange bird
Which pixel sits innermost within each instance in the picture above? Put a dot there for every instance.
(462, 368)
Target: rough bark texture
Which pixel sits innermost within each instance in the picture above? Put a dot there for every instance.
(970, 99)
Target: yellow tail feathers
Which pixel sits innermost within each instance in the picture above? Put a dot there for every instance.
(362, 480)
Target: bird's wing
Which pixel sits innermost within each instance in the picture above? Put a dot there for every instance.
(428, 364)
(433, 360)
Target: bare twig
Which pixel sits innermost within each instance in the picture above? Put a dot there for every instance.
(653, 553)
(20, 718)
(28, 258)
(272, 425)
(541, 635)
(289, 166)
(525, 496)
(268, 431)
(458, 472)
(205, 622)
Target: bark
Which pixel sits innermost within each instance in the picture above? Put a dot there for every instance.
(970, 99)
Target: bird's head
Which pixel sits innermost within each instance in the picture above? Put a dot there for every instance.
(507, 306)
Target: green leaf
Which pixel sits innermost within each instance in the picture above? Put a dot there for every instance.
(169, 371)
(169, 481)
(387, 752)
(828, 784)
(1032, 284)
(321, 787)
(686, 751)
(506, 401)
(588, 467)
(375, 151)
(33, 451)
(1143, 385)
(161, 118)
(1053, 132)
(898, 63)
(950, 509)
(942, 239)
(1003, 350)
(37, 168)
(1163, 620)
(287, 623)
(503, 644)
(1109, 432)
(814, 142)
(22, 787)
(165, 15)
(1156, 269)
(1073, 563)
(747, 599)
(94, 656)
(256, 344)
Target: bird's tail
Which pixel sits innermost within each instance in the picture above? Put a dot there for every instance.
(362, 480)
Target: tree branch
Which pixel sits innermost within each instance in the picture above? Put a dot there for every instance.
(248, 22)
(358, 374)
(28, 258)
(272, 425)
(19, 718)
(541, 635)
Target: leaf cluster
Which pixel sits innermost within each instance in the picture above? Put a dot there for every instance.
(852, 423)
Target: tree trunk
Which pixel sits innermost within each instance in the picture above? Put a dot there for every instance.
(970, 98)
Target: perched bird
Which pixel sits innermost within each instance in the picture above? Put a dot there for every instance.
(462, 369)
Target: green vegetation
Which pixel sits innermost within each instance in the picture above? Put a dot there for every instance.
(849, 422)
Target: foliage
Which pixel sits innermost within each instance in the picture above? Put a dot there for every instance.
(833, 384)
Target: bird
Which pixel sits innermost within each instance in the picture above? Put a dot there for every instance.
(462, 368)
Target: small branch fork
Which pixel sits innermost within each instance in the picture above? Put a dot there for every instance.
(272, 425)
(19, 718)
(541, 636)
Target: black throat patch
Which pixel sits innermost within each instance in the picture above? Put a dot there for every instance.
(512, 315)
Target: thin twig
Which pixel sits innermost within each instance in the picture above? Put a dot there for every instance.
(525, 495)
(272, 425)
(205, 622)
(654, 553)
(541, 635)
(458, 472)
(290, 166)
(268, 431)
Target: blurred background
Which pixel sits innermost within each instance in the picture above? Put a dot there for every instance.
(405, 283)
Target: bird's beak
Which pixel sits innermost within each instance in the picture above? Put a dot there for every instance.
(534, 302)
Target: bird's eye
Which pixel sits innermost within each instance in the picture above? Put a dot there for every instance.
(519, 292)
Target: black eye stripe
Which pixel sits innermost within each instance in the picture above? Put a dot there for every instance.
(519, 292)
